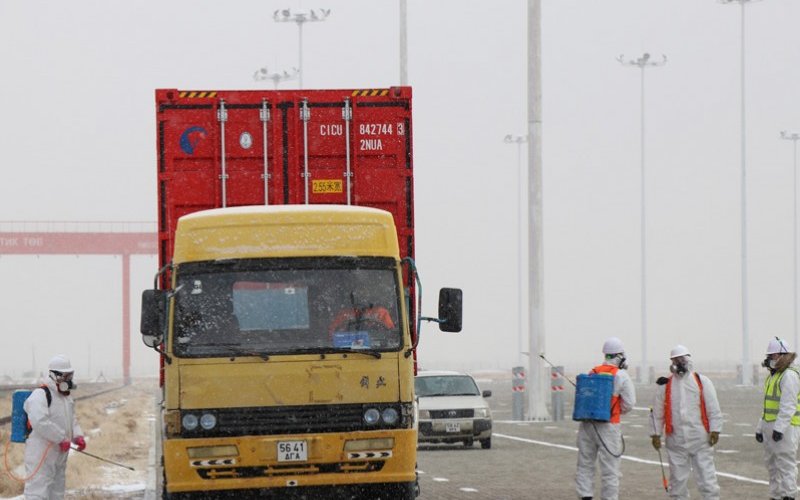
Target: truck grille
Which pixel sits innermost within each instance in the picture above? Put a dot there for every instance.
(261, 421)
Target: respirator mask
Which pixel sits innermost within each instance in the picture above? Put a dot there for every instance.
(680, 365)
(620, 359)
(769, 363)
(63, 382)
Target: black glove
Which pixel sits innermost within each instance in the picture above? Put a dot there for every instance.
(759, 437)
(777, 436)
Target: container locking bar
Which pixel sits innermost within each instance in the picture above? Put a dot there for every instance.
(347, 116)
(264, 115)
(222, 117)
(305, 115)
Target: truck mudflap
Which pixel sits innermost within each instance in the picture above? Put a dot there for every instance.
(360, 459)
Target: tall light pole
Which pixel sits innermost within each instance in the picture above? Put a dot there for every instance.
(519, 140)
(794, 137)
(746, 374)
(300, 18)
(262, 74)
(643, 63)
(539, 381)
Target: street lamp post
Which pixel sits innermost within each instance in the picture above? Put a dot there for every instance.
(300, 18)
(794, 137)
(263, 74)
(746, 375)
(642, 63)
(519, 140)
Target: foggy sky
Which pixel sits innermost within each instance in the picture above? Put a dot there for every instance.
(78, 142)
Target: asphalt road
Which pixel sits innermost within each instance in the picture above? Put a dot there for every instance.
(536, 460)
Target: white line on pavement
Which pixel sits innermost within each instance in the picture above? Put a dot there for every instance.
(631, 459)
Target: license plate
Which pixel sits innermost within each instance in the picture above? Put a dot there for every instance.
(292, 451)
(452, 427)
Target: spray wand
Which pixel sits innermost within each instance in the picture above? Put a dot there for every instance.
(541, 355)
(103, 459)
(660, 461)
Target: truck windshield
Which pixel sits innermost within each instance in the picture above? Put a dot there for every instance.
(280, 306)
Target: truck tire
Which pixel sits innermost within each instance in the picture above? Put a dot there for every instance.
(486, 443)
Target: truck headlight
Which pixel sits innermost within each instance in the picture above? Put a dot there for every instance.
(371, 416)
(190, 421)
(424, 414)
(208, 421)
(389, 416)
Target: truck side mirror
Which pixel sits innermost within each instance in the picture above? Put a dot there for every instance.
(450, 309)
(152, 322)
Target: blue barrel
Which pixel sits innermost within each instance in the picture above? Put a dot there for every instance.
(19, 419)
(593, 397)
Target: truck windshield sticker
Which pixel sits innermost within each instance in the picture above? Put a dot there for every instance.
(190, 137)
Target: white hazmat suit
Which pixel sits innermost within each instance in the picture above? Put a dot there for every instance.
(50, 427)
(780, 456)
(688, 447)
(600, 441)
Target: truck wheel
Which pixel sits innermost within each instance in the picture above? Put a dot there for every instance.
(468, 443)
(486, 443)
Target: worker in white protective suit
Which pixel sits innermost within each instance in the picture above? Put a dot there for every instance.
(54, 428)
(780, 420)
(687, 410)
(603, 440)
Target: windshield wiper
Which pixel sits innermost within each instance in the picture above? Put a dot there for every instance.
(335, 350)
(243, 352)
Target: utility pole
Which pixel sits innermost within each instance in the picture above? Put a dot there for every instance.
(642, 63)
(519, 140)
(746, 374)
(262, 74)
(300, 18)
(794, 137)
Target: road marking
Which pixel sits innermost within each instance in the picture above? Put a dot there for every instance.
(469, 490)
(441, 480)
(630, 459)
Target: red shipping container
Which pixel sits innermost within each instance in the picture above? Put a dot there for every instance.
(233, 147)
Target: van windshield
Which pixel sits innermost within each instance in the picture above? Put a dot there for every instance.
(280, 306)
(445, 385)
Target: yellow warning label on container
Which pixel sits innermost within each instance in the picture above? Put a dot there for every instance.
(323, 186)
(371, 93)
(197, 94)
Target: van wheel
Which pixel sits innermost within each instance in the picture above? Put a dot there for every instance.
(486, 443)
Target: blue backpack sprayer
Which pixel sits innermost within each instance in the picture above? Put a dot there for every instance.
(593, 395)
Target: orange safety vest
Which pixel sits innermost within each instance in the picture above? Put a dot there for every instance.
(616, 410)
(377, 314)
(668, 405)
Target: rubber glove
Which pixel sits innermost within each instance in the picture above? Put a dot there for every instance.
(759, 437)
(656, 440)
(80, 442)
(777, 436)
(64, 446)
(713, 438)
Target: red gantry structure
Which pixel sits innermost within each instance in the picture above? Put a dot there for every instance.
(86, 238)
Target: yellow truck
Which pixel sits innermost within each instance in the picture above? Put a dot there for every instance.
(287, 334)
